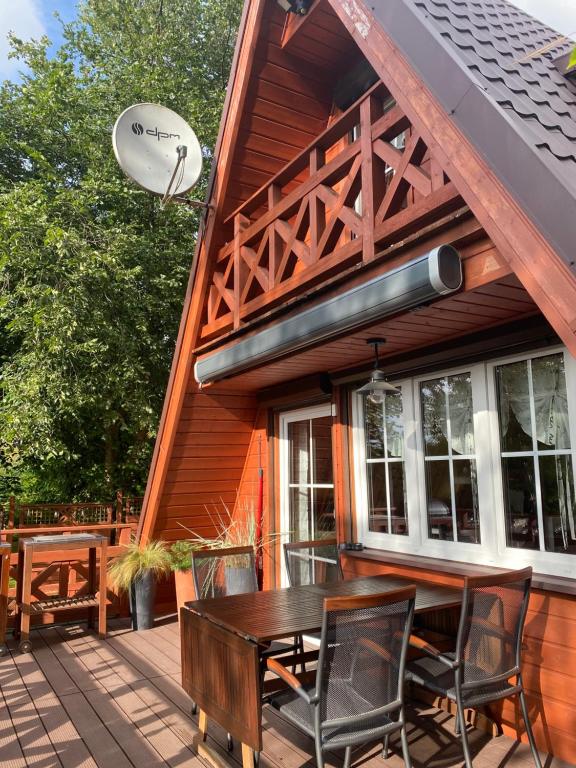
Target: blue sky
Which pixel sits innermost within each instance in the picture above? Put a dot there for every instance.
(32, 18)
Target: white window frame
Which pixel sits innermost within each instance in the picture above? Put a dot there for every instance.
(554, 563)
(492, 550)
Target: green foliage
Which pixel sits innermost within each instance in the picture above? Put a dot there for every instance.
(133, 563)
(181, 555)
(92, 273)
(572, 60)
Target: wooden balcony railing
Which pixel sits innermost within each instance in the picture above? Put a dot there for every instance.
(366, 182)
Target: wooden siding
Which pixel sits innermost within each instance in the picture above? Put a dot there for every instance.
(207, 461)
(549, 661)
(289, 103)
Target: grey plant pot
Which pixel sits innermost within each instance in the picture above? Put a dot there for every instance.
(142, 601)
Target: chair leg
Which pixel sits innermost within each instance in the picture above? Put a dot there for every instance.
(256, 759)
(194, 708)
(464, 734)
(385, 747)
(457, 724)
(347, 757)
(529, 733)
(319, 755)
(230, 743)
(405, 751)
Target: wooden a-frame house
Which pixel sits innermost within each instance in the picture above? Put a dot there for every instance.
(402, 169)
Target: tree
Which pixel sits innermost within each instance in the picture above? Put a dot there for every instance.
(92, 271)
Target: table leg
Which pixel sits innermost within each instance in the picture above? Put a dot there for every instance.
(19, 577)
(4, 582)
(203, 724)
(102, 590)
(25, 646)
(91, 582)
(247, 756)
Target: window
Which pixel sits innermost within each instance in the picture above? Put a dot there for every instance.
(449, 458)
(473, 464)
(537, 472)
(384, 434)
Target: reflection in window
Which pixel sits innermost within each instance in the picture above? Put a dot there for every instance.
(449, 459)
(537, 468)
(384, 430)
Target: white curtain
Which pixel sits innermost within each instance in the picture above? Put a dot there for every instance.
(551, 425)
(461, 411)
(550, 401)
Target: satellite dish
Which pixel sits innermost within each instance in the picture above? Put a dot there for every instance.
(157, 149)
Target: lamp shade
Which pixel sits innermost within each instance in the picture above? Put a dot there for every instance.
(375, 389)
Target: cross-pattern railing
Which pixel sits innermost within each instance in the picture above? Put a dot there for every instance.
(367, 181)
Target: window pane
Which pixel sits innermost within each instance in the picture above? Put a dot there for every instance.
(514, 406)
(550, 403)
(299, 441)
(520, 502)
(322, 449)
(461, 414)
(300, 515)
(439, 500)
(374, 430)
(434, 414)
(558, 503)
(324, 519)
(398, 512)
(377, 504)
(466, 499)
(394, 424)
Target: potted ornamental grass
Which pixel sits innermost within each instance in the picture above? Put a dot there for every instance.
(230, 531)
(136, 571)
(181, 565)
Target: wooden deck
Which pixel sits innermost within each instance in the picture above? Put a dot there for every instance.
(81, 702)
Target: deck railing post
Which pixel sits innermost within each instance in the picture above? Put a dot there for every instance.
(373, 181)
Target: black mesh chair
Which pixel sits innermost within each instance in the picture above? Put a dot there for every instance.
(223, 572)
(487, 655)
(312, 562)
(358, 696)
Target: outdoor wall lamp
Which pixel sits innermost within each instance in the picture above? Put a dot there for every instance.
(375, 390)
(299, 7)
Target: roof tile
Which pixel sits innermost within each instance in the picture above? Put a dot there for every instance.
(501, 47)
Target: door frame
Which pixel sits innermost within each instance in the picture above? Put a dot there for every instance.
(286, 418)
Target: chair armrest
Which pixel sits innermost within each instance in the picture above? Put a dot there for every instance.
(280, 671)
(422, 645)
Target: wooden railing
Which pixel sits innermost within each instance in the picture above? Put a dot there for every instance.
(366, 182)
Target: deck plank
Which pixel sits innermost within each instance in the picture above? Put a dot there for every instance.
(139, 703)
(81, 702)
(28, 727)
(64, 737)
(12, 755)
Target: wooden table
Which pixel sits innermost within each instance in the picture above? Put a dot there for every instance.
(221, 638)
(4, 584)
(92, 599)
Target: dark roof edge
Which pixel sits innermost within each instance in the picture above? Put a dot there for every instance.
(545, 196)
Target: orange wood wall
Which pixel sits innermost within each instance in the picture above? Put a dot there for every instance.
(549, 661)
(207, 461)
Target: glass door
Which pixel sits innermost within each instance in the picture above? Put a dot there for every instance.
(306, 476)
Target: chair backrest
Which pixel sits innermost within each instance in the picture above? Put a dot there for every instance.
(362, 657)
(312, 562)
(491, 624)
(222, 572)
